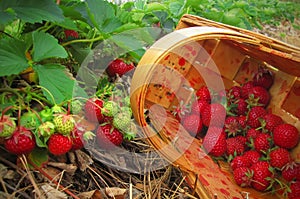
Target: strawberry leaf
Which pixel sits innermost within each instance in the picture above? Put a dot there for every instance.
(12, 56)
(39, 157)
(46, 46)
(57, 79)
(33, 11)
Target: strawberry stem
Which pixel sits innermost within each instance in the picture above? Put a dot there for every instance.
(47, 92)
(5, 110)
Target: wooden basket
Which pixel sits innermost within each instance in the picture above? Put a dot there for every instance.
(205, 52)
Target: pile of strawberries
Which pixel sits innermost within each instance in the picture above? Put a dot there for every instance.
(59, 129)
(255, 142)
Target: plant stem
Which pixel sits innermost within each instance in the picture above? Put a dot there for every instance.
(83, 40)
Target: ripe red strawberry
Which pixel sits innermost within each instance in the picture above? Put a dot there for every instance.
(214, 114)
(93, 108)
(77, 138)
(291, 171)
(264, 78)
(234, 93)
(262, 175)
(232, 126)
(193, 124)
(260, 94)
(118, 67)
(254, 116)
(198, 106)
(286, 136)
(270, 121)
(263, 142)
(7, 126)
(203, 93)
(242, 121)
(71, 34)
(214, 141)
(295, 190)
(241, 107)
(243, 176)
(234, 146)
(246, 87)
(108, 137)
(22, 141)
(279, 157)
(252, 134)
(239, 161)
(59, 144)
(252, 156)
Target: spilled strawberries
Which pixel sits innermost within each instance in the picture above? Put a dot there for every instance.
(239, 129)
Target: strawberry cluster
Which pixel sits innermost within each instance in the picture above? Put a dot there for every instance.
(237, 127)
(51, 128)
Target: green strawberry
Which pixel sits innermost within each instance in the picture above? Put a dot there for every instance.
(46, 129)
(30, 120)
(64, 123)
(130, 132)
(76, 106)
(110, 108)
(7, 126)
(121, 121)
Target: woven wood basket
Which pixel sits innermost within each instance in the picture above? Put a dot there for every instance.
(204, 52)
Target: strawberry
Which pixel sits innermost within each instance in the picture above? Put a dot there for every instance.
(193, 124)
(252, 133)
(234, 146)
(241, 107)
(270, 121)
(232, 125)
(263, 142)
(214, 142)
(121, 121)
(110, 108)
(259, 94)
(294, 190)
(46, 129)
(59, 144)
(64, 123)
(71, 34)
(234, 93)
(203, 93)
(214, 114)
(22, 141)
(7, 126)
(262, 175)
(242, 121)
(77, 138)
(30, 120)
(291, 171)
(252, 156)
(242, 176)
(264, 78)
(246, 87)
(118, 67)
(108, 137)
(93, 111)
(254, 116)
(286, 136)
(279, 157)
(198, 106)
(239, 161)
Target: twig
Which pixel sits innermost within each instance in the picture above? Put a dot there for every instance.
(67, 191)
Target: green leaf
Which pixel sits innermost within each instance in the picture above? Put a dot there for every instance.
(127, 41)
(57, 79)
(46, 46)
(39, 157)
(6, 16)
(33, 11)
(12, 56)
(100, 12)
(68, 24)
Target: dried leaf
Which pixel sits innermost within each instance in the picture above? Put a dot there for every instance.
(69, 168)
(83, 160)
(115, 191)
(95, 194)
(53, 193)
